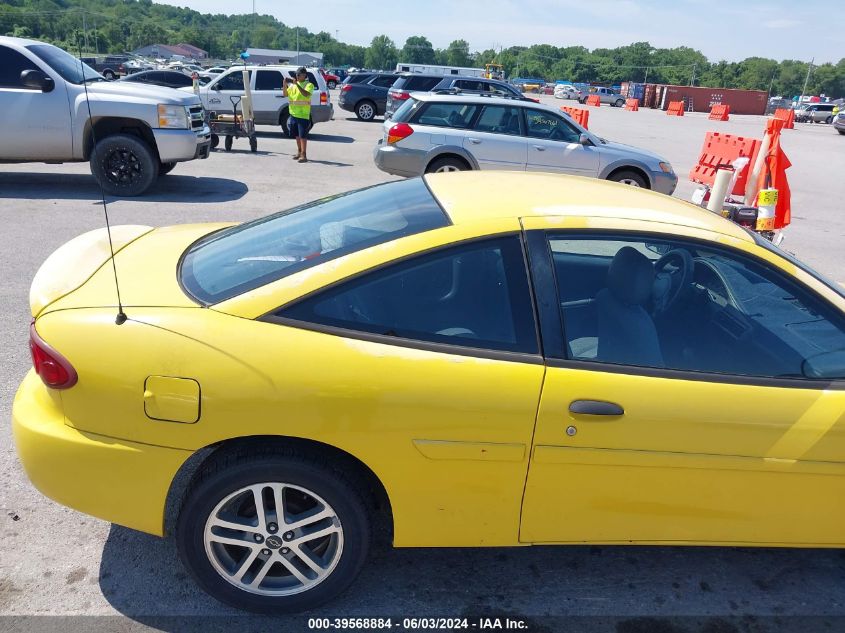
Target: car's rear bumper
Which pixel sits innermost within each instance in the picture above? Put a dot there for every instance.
(116, 480)
(399, 161)
(181, 145)
(322, 113)
(839, 124)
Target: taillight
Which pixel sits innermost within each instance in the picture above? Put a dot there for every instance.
(346, 87)
(398, 132)
(532, 99)
(53, 368)
(401, 95)
(324, 98)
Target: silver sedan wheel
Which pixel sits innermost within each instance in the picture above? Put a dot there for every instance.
(273, 539)
(629, 181)
(446, 168)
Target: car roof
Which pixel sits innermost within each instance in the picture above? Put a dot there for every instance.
(481, 99)
(479, 195)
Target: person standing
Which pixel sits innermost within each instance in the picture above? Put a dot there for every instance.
(299, 111)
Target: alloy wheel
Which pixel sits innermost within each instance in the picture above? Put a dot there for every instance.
(273, 539)
(122, 166)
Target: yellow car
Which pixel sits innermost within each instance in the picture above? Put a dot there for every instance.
(473, 359)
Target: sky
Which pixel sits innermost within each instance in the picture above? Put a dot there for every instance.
(721, 29)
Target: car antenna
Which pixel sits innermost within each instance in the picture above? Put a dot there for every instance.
(120, 319)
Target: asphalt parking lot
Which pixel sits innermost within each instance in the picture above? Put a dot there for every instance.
(54, 561)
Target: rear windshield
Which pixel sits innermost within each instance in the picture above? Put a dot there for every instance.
(406, 111)
(244, 257)
(417, 83)
(356, 79)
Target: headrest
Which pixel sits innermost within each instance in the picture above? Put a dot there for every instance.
(631, 276)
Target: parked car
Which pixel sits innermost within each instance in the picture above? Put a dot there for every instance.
(139, 133)
(168, 78)
(365, 94)
(478, 359)
(110, 67)
(606, 95)
(815, 113)
(332, 80)
(269, 102)
(839, 122)
(214, 70)
(405, 84)
(567, 91)
(441, 133)
(476, 85)
(185, 67)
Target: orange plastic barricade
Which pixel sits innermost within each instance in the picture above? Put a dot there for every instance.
(788, 116)
(594, 100)
(632, 105)
(579, 115)
(723, 150)
(720, 112)
(676, 108)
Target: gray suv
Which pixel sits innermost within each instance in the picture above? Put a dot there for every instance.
(440, 133)
(815, 113)
(365, 94)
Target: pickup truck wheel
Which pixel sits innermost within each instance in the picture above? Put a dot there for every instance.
(619, 103)
(109, 74)
(273, 533)
(365, 110)
(165, 168)
(124, 165)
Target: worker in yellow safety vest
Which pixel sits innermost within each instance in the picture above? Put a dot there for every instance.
(299, 111)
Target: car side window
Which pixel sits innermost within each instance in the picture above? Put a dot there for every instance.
(268, 80)
(458, 115)
(468, 84)
(499, 120)
(685, 306)
(12, 64)
(383, 81)
(232, 81)
(474, 295)
(549, 126)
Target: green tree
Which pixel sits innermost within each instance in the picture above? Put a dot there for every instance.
(263, 37)
(417, 50)
(458, 53)
(382, 53)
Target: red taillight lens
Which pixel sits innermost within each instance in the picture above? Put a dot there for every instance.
(400, 96)
(532, 99)
(346, 88)
(324, 98)
(398, 132)
(53, 368)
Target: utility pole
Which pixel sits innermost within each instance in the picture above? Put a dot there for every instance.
(645, 81)
(692, 79)
(85, 30)
(297, 41)
(806, 79)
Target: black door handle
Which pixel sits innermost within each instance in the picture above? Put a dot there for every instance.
(595, 407)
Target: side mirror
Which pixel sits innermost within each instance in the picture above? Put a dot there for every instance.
(827, 365)
(37, 80)
(585, 140)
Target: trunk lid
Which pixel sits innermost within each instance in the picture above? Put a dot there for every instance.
(79, 274)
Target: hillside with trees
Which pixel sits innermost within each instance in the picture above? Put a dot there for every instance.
(101, 26)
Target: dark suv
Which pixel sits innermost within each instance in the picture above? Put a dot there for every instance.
(365, 94)
(405, 84)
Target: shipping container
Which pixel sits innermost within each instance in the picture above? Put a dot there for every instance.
(701, 99)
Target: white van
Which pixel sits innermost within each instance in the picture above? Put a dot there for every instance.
(269, 102)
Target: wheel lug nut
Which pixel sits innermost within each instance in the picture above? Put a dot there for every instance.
(285, 550)
(272, 527)
(288, 536)
(266, 552)
(258, 538)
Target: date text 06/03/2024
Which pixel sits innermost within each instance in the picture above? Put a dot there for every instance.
(414, 624)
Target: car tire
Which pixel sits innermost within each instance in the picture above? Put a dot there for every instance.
(841, 132)
(124, 165)
(225, 491)
(109, 74)
(627, 177)
(365, 110)
(619, 103)
(165, 168)
(446, 164)
(331, 85)
(829, 119)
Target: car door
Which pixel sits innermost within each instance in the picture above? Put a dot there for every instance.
(495, 140)
(268, 96)
(35, 125)
(554, 145)
(435, 380)
(712, 422)
(220, 92)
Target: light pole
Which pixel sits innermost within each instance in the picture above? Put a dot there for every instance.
(806, 79)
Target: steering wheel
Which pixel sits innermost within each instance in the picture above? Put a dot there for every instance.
(673, 274)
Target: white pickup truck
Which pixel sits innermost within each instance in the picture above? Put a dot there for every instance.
(56, 110)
